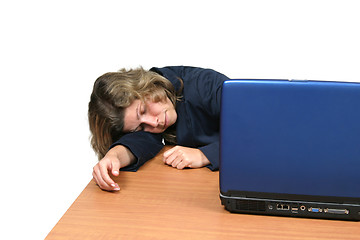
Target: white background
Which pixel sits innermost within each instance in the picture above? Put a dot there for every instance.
(51, 52)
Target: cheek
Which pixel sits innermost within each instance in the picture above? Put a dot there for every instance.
(174, 116)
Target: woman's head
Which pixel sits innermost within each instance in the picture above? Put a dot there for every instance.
(149, 116)
(115, 94)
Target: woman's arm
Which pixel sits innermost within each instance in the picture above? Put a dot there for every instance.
(128, 153)
(143, 145)
(116, 158)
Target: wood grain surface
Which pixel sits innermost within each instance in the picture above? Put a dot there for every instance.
(160, 202)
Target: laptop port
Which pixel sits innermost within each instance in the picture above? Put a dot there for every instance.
(294, 209)
(280, 206)
(315, 210)
(302, 208)
(336, 211)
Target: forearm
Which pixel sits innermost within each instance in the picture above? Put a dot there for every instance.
(142, 146)
(124, 155)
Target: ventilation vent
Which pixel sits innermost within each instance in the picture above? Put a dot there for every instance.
(250, 205)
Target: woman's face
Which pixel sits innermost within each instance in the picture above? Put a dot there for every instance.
(149, 116)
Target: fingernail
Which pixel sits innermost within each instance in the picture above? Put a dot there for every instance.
(113, 185)
(116, 172)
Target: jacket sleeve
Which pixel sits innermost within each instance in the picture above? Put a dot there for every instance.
(206, 85)
(143, 145)
(209, 89)
(212, 152)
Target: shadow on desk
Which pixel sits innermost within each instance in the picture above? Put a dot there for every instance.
(160, 202)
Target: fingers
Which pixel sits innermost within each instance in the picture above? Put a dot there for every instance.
(176, 158)
(182, 157)
(168, 153)
(100, 182)
(182, 165)
(115, 166)
(169, 156)
(105, 175)
(102, 177)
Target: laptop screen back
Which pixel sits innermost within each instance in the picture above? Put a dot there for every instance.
(291, 137)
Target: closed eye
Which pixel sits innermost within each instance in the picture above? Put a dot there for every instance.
(140, 110)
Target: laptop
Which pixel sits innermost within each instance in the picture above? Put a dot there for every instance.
(290, 148)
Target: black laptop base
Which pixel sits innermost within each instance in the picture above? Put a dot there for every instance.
(291, 208)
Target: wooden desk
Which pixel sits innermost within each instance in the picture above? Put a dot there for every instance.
(159, 202)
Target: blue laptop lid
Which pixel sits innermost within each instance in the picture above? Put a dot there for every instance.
(295, 138)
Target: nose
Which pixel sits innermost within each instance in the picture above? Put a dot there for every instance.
(152, 121)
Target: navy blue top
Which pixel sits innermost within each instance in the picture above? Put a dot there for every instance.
(198, 116)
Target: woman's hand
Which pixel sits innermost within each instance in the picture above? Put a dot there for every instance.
(116, 158)
(180, 157)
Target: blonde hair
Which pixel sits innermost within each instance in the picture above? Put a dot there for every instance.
(112, 93)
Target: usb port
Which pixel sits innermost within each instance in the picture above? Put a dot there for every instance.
(294, 209)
